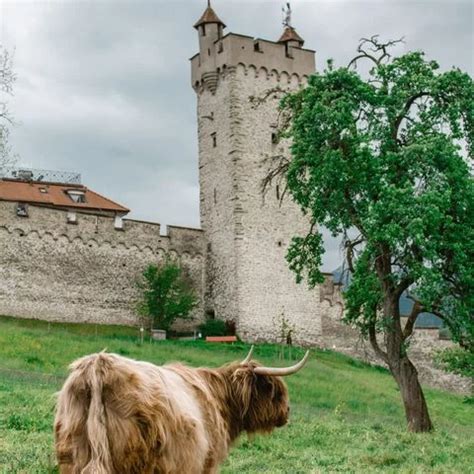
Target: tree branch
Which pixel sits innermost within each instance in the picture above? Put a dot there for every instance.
(410, 324)
(277, 171)
(375, 345)
(375, 47)
(349, 246)
(403, 285)
(406, 109)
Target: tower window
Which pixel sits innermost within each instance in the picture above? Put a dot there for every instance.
(203, 31)
(214, 140)
(256, 47)
(278, 192)
(215, 196)
(220, 47)
(208, 51)
(274, 138)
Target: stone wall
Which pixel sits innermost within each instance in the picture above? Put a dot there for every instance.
(424, 343)
(269, 296)
(87, 272)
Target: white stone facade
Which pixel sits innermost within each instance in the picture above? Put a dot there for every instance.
(247, 233)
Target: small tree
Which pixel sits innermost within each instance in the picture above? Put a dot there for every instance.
(166, 295)
(7, 78)
(385, 162)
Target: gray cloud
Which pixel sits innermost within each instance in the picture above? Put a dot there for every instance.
(104, 88)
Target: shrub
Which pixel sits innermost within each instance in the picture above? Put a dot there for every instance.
(214, 327)
(166, 295)
(457, 360)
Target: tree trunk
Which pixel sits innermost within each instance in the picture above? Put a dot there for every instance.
(416, 410)
(404, 372)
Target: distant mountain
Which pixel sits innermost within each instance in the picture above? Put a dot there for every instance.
(424, 320)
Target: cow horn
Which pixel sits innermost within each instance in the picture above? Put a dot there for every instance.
(282, 371)
(248, 358)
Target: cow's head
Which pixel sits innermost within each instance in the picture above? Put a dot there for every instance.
(260, 395)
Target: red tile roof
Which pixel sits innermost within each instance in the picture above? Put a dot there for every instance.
(54, 194)
(290, 34)
(209, 16)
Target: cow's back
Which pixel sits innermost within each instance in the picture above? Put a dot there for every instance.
(118, 415)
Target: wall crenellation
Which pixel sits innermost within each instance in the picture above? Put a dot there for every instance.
(273, 76)
(100, 230)
(260, 58)
(86, 272)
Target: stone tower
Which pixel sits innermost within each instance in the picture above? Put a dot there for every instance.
(247, 234)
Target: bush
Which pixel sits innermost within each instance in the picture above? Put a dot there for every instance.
(456, 360)
(214, 327)
(166, 295)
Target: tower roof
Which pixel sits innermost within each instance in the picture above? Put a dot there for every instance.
(290, 34)
(209, 16)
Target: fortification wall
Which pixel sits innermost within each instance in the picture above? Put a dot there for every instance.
(424, 343)
(87, 272)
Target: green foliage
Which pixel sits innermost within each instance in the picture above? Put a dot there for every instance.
(457, 360)
(345, 415)
(214, 327)
(166, 295)
(387, 160)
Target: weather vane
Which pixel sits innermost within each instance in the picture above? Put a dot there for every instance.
(287, 15)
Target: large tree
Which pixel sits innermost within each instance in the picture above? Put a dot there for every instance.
(384, 161)
(7, 78)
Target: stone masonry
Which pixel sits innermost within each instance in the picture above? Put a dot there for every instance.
(86, 272)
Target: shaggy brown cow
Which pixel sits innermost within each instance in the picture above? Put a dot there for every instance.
(117, 415)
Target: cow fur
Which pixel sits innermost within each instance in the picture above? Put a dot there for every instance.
(117, 415)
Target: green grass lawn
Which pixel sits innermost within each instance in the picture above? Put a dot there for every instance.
(346, 416)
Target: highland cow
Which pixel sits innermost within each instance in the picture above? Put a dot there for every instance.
(117, 415)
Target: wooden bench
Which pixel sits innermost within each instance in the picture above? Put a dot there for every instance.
(221, 338)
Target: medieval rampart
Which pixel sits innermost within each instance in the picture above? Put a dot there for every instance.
(423, 344)
(84, 272)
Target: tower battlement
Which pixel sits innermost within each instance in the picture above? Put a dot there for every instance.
(267, 58)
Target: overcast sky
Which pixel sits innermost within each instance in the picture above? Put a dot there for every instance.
(104, 86)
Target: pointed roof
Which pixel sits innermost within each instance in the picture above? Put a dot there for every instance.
(290, 34)
(209, 16)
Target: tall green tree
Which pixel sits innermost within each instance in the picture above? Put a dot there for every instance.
(167, 294)
(385, 161)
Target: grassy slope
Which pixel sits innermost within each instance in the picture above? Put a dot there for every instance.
(346, 416)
